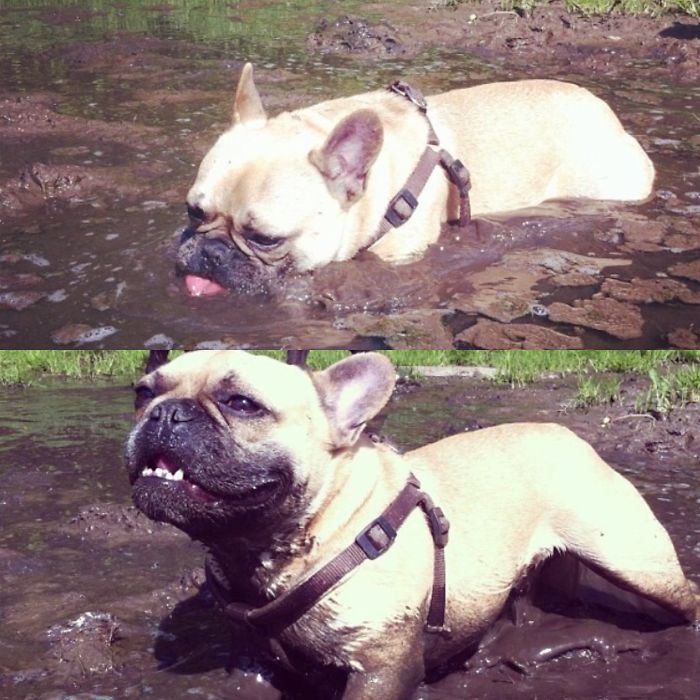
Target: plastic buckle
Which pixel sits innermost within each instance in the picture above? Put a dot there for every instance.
(369, 545)
(411, 94)
(459, 175)
(439, 526)
(396, 217)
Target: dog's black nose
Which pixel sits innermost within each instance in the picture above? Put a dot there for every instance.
(195, 213)
(216, 252)
(173, 411)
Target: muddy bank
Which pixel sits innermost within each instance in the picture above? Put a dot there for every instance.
(102, 126)
(97, 599)
(548, 37)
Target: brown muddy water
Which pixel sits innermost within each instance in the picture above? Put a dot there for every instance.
(106, 111)
(98, 602)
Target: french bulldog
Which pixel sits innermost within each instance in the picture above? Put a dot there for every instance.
(269, 467)
(295, 192)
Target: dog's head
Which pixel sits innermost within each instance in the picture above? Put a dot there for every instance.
(227, 441)
(272, 195)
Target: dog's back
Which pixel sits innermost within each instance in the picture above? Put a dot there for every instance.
(516, 493)
(532, 140)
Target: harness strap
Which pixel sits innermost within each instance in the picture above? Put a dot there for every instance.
(373, 541)
(404, 203)
(439, 528)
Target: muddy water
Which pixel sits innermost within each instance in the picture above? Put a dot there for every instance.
(106, 112)
(98, 602)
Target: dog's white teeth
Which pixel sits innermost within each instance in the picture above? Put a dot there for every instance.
(179, 475)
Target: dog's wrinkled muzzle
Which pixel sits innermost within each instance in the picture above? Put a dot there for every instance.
(208, 264)
(212, 264)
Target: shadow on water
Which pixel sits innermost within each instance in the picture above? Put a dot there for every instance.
(105, 113)
(96, 599)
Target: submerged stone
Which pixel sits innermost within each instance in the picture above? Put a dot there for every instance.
(79, 333)
(685, 338)
(19, 300)
(489, 335)
(689, 270)
(613, 317)
(405, 331)
(650, 291)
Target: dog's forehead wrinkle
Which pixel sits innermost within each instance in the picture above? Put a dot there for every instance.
(259, 377)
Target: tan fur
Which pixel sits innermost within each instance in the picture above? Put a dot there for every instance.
(514, 494)
(524, 142)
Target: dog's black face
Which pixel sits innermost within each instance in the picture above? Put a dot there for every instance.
(233, 445)
(188, 470)
(202, 258)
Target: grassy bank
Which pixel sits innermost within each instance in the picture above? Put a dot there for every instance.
(653, 8)
(674, 375)
(667, 389)
(28, 366)
(516, 367)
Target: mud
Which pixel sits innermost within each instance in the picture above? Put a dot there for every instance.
(684, 338)
(491, 335)
(546, 36)
(620, 320)
(99, 601)
(104, 120)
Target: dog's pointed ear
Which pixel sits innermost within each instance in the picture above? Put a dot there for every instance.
(247, 106)
(345, 158)
(352, 391)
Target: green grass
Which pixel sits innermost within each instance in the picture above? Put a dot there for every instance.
(674, 375)
(27, 366)
(653, 8)
(593, 390)
(670, 391)
(519, 367)
(516, 367)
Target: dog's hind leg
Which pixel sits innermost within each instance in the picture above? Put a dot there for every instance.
(610, 526)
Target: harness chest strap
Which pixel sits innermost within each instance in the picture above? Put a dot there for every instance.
(404, 203)
(372, 542)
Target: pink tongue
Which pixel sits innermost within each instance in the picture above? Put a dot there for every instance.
(201, 287)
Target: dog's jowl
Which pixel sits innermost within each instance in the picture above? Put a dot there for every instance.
(353, 556)
(382, 170)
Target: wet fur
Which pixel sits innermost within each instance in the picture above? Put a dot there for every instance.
(514, 495)
(319, 179)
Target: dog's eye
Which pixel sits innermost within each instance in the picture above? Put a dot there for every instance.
(144, 394)
(244, 405)
(261, 241)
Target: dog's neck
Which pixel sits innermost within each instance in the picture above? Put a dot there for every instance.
(273, 559)
(405, 138)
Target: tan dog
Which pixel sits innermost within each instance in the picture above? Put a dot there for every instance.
(312, 186)
(268, 466)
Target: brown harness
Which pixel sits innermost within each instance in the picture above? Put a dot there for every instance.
(403, 204)
(372, 542)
